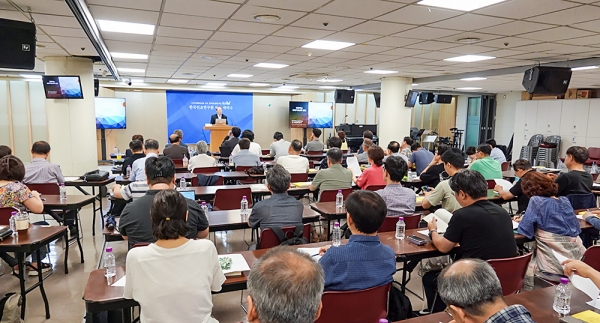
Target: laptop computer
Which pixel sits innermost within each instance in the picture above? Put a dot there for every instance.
(221, 121)
(191, 195)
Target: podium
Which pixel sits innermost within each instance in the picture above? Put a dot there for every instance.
(217, 133)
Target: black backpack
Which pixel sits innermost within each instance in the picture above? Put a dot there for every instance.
(286, 240)
(399, 306)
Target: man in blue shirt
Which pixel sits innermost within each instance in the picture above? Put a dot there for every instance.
(420, 157)
(363, 262)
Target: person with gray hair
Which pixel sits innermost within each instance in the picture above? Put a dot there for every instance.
(335, 177)
(281, 210)
(179, 133)
(285, 286)
(472, 292)
(202, 159)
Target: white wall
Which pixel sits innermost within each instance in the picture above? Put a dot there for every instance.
(270, 114)
(461, 112)
(146, 115)
(505, 116)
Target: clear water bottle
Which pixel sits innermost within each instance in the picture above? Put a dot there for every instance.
(185, 161)
(204, 208)
(339, 199)
(13, 222)
(63, 192)
(410, 176)
(562, 297)
(230, 160)
(336, 236)
(400, 229)
(128, 171)
(109, 263)
(594, 168)
(182, 183)
(116, 151)
(264, 166)
(244, 209)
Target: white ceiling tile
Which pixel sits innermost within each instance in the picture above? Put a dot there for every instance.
(235, 37)
(270, 48)
(582, 41)
(147, 39)
(515, 28)
(183, 21)
(293, 58)
(468, 49)
(126, 15)
(305, 33)
(351, 37)
(356, 8)
(49, 7)
(335, 23)
(589, 25)
(426, 33)
(508, 42)
(165, 31)
(432, 45)
(56, 21)
(363, 48)
(347, 55)
(284, 41)
(555, 34)
(247, 12)
(304, 5)
(404, 52)
(151, 5)
(569, 16)
(503, 53)
(61, 31)
(379, 28)
(205, 8)
(249, 27)
(168, 53)
(127, 47)
(181, 49)
(521, 9)
(226, 44)
(469, 21)
(311, 51)
(179, 41)
(419, 15)
(393, 41)
(216, 52)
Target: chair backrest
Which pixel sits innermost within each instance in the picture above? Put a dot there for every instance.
(299, 177)
(374, 187)
(536, 140)
(314, 152)
(582, 201)
(265, 151)
(268, 239)
(229, 199)
(505, 166)
(591, 257)
(356, 306)
(594, 153)
(329, 195)
(141, 244)
(178, 162)
(5, 213)
(389, 224)
(46, 188)
(491, 184)
(204, 170)
(511, 272)
(195, 183)
(242, 168)
(225, 151)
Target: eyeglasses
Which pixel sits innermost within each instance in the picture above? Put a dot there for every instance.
(447, 310)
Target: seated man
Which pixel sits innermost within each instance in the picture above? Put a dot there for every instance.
(483, 229)
(577, 180)
(294, 163)
(489, 168)
(334, 142)
(473, 293)
(138, 173)
(254, 147)
(405, 147)
(135, 225)
(367, 134)
(245, 157)
(471, 151)
(128, 152)
(432, 174)
(279, 147)
(298, 281)
(393, 149)
(280, 210)
(400, 201)
(314, 144)
(363, 262)
(420, 158)
(496, 153)
(453, 160)
(176, 151)
(363, 157)
(137, 151)
(39, 170)
(522, 168)
(5, 151)
(335, 177)
(176, 132)
(232, 140)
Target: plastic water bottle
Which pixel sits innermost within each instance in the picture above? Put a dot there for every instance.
(230, 160)
(244, 209)
(204, 208)
(400, 229)
(116, 151)
(264, 168)
(339, 199)
(562, 297)
(13, 222)
(128, 171)
(411, 176)
(182, 183)
(336, 236)
(185, 161)
(109, 263)
(62, 189)
(594, 168)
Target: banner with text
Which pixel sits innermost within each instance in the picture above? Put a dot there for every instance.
(191, 111)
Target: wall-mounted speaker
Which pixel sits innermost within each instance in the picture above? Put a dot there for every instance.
(377, 97)
(547, 80)
(344, 96)
(443, 99)
(17, 44)
(426, 98)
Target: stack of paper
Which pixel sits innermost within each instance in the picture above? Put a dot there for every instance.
(120, 282)
(353, 165)
(312, 252)
(238, 265)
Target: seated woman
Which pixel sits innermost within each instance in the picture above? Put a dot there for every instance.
(374, 174)
(342, 135)
(202, 159)
(13, 193)
(172, 279)
(552, 222)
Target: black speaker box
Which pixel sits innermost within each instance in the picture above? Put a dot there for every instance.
(377, 97)
(547, 80)
(443, 99)
(344, 96)
(426, 98)
(96, 87)
(17, 44)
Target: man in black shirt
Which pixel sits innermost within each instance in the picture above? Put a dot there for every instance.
(135, 225)
(482, 229)
(431, 174)
(334, 142)
(233, 139)
(137, 149)
(522, 168)
(577, 180)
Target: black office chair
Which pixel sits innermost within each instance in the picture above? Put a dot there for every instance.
(225, 151)
(582, 201)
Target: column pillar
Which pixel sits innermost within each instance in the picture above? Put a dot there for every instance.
(72, 122)
(394, 118)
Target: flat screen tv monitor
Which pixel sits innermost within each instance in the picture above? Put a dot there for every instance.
(411, 99)
(320, 114)
(62, 87)
(298, 114)
(110, 113)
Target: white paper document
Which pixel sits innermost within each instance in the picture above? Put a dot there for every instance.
(506, 185)
(353, 165)
(312, 252)
(424, 232)
(515, 225)
(120, 282)
(238, 263)
(71, 178)
(443, 218)
(583, 284)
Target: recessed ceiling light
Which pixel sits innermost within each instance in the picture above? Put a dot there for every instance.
(326, 80)
(380, 72)
(328, 87)
(265, 17)
(128, 56)
(125, 27)
(415, 84)
(137, 81)
(31, 76)
(469, 58)
(177, 81)
(474, 79)
(462, 5)
(131, 70)
(259, 84)
(328, 45)
(243, 76)
(216, 84)
(271, 65)
(468, 40)
(468, 88)
(583, 68)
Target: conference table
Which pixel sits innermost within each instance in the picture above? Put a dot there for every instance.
(231, 219)
(78, 183)
(227, 176)
(258, 190)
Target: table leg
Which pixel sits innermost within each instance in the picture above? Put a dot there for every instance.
(21, 265)
(78, 237)
(67, 251)
(41, 283)
(94, 217)
(404, 267)
(127, 315)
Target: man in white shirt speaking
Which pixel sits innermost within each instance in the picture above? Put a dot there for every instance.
(294, 163)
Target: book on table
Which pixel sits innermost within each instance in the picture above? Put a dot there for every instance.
(233, 264)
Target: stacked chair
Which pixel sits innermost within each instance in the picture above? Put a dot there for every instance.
(530, 151)
(547, 154)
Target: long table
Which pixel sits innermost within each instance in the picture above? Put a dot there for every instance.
(188, 176)
(231, 219)
(79, 184)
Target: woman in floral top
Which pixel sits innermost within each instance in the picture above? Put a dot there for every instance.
(13, 193)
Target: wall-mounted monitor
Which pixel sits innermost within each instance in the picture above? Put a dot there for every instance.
(311, 114)
(110, 113)
(298, 114)
(411, 99)
(62, 87)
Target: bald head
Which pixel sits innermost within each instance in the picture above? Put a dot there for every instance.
(174, 138)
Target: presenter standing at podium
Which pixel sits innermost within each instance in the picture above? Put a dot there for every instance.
(218, 116)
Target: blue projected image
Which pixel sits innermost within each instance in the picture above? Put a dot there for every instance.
(320, 115)
(110, 113)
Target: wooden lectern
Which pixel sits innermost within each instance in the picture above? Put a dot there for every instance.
(217, 133)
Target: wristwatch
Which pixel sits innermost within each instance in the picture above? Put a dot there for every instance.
(430, 233)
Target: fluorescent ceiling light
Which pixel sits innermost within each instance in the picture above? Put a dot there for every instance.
(31, 76)
(259, 84)
(131, 70)
(271, 65)
(137, 81)
(583, 68)
(286, 87)
(469, 58)
(462, 5)
(474, 79)
(242, 76)
(329, 80)
(380, 72)
(468, 88)
(125, 27)
(216, 84)
(177, 81)
(328, 45)
(128, 56)
(415, 84)
(328, 87)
